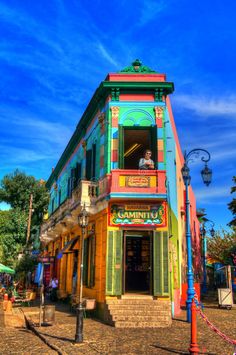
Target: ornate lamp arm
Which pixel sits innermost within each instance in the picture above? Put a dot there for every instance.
(197, 153)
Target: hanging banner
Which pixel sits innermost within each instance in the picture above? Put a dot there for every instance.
(138, 214)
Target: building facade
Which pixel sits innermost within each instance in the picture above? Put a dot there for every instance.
(134, 250)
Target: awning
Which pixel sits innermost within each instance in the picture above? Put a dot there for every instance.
(6, 269)
(67, 248)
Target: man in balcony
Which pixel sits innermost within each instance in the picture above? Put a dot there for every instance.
(146, 163)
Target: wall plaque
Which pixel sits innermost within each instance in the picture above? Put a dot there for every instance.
(137, 181)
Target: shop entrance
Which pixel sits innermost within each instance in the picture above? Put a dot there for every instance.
(138, 261)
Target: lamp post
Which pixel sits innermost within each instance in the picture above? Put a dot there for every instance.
(203, 232)
(206, 176)
(83, 222)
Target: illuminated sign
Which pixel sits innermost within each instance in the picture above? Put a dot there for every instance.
(138, 215)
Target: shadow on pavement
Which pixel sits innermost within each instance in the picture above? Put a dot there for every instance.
(171, 350)
(57, 337)
(210, 306)
(180, 320)
(182, 352)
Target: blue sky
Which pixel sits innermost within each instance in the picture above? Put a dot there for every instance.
(55, 53)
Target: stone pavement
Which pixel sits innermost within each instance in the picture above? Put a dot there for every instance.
(16, 339)
(100, 338)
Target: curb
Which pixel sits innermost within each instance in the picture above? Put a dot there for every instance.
(31, 326)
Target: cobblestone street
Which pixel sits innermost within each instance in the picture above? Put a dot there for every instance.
(103, 339)
(16, 339)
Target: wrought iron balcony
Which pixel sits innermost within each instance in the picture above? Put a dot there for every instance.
(66, 214)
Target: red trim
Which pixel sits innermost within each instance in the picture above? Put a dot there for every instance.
(114, 156)
(102, 161)
(127, 97)
(136, 77)
(160, 156)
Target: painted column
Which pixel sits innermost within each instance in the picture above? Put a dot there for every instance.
(114, 136)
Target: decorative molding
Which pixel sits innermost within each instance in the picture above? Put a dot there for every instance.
(114, 112)
(137, 67)
(84, 144)
(115, 94)
(101, 117)
(158, 95)
(159, 112)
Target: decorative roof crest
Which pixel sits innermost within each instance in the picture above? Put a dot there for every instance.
(137, 67)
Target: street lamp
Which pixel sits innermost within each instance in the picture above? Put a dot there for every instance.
(83, 222)
(206, 176)
(203, 232)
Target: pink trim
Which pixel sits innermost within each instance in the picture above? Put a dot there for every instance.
(168, 104)
(114, 156)
(160, 156)
(136, 77)
(177, 309)
(159, 189)
(127, 97)
(102, 161)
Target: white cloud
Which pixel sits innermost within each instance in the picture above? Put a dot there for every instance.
(16, 155)
(207, 106)
(106, 55)
(216, 195)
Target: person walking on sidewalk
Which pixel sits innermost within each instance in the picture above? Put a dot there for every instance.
(54, 287)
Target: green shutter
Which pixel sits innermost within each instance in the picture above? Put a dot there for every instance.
(165, 263)
(73, 178)
(109, 264)
(154, 144)
(160, 264)
(78, 171)
(114, 263)
(88, 173)
(69, 187)
(85, 263)
(121, 147)
(93, 167)
(92, 262)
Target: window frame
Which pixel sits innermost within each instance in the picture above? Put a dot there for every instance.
(153, 147)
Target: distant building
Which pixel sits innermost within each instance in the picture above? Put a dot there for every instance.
(134, 251)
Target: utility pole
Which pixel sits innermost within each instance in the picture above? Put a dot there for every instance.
(29, 218)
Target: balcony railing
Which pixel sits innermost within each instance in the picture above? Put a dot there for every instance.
(84, 193)
(137, 182)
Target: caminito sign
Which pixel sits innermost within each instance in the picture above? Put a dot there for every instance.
(138, 215)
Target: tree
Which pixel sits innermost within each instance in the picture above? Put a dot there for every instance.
(15, 189)
(232, 205)
(13, 225)
(222, 247)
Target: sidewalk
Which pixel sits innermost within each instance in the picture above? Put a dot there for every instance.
(100, 338)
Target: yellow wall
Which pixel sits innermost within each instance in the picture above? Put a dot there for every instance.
(98, 291)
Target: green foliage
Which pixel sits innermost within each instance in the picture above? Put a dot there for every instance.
(15, 189)
(26, 263)
(232, 205)
(222, 246)
(13, 225)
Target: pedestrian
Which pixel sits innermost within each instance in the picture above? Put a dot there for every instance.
(146, 163)
(54, 287)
